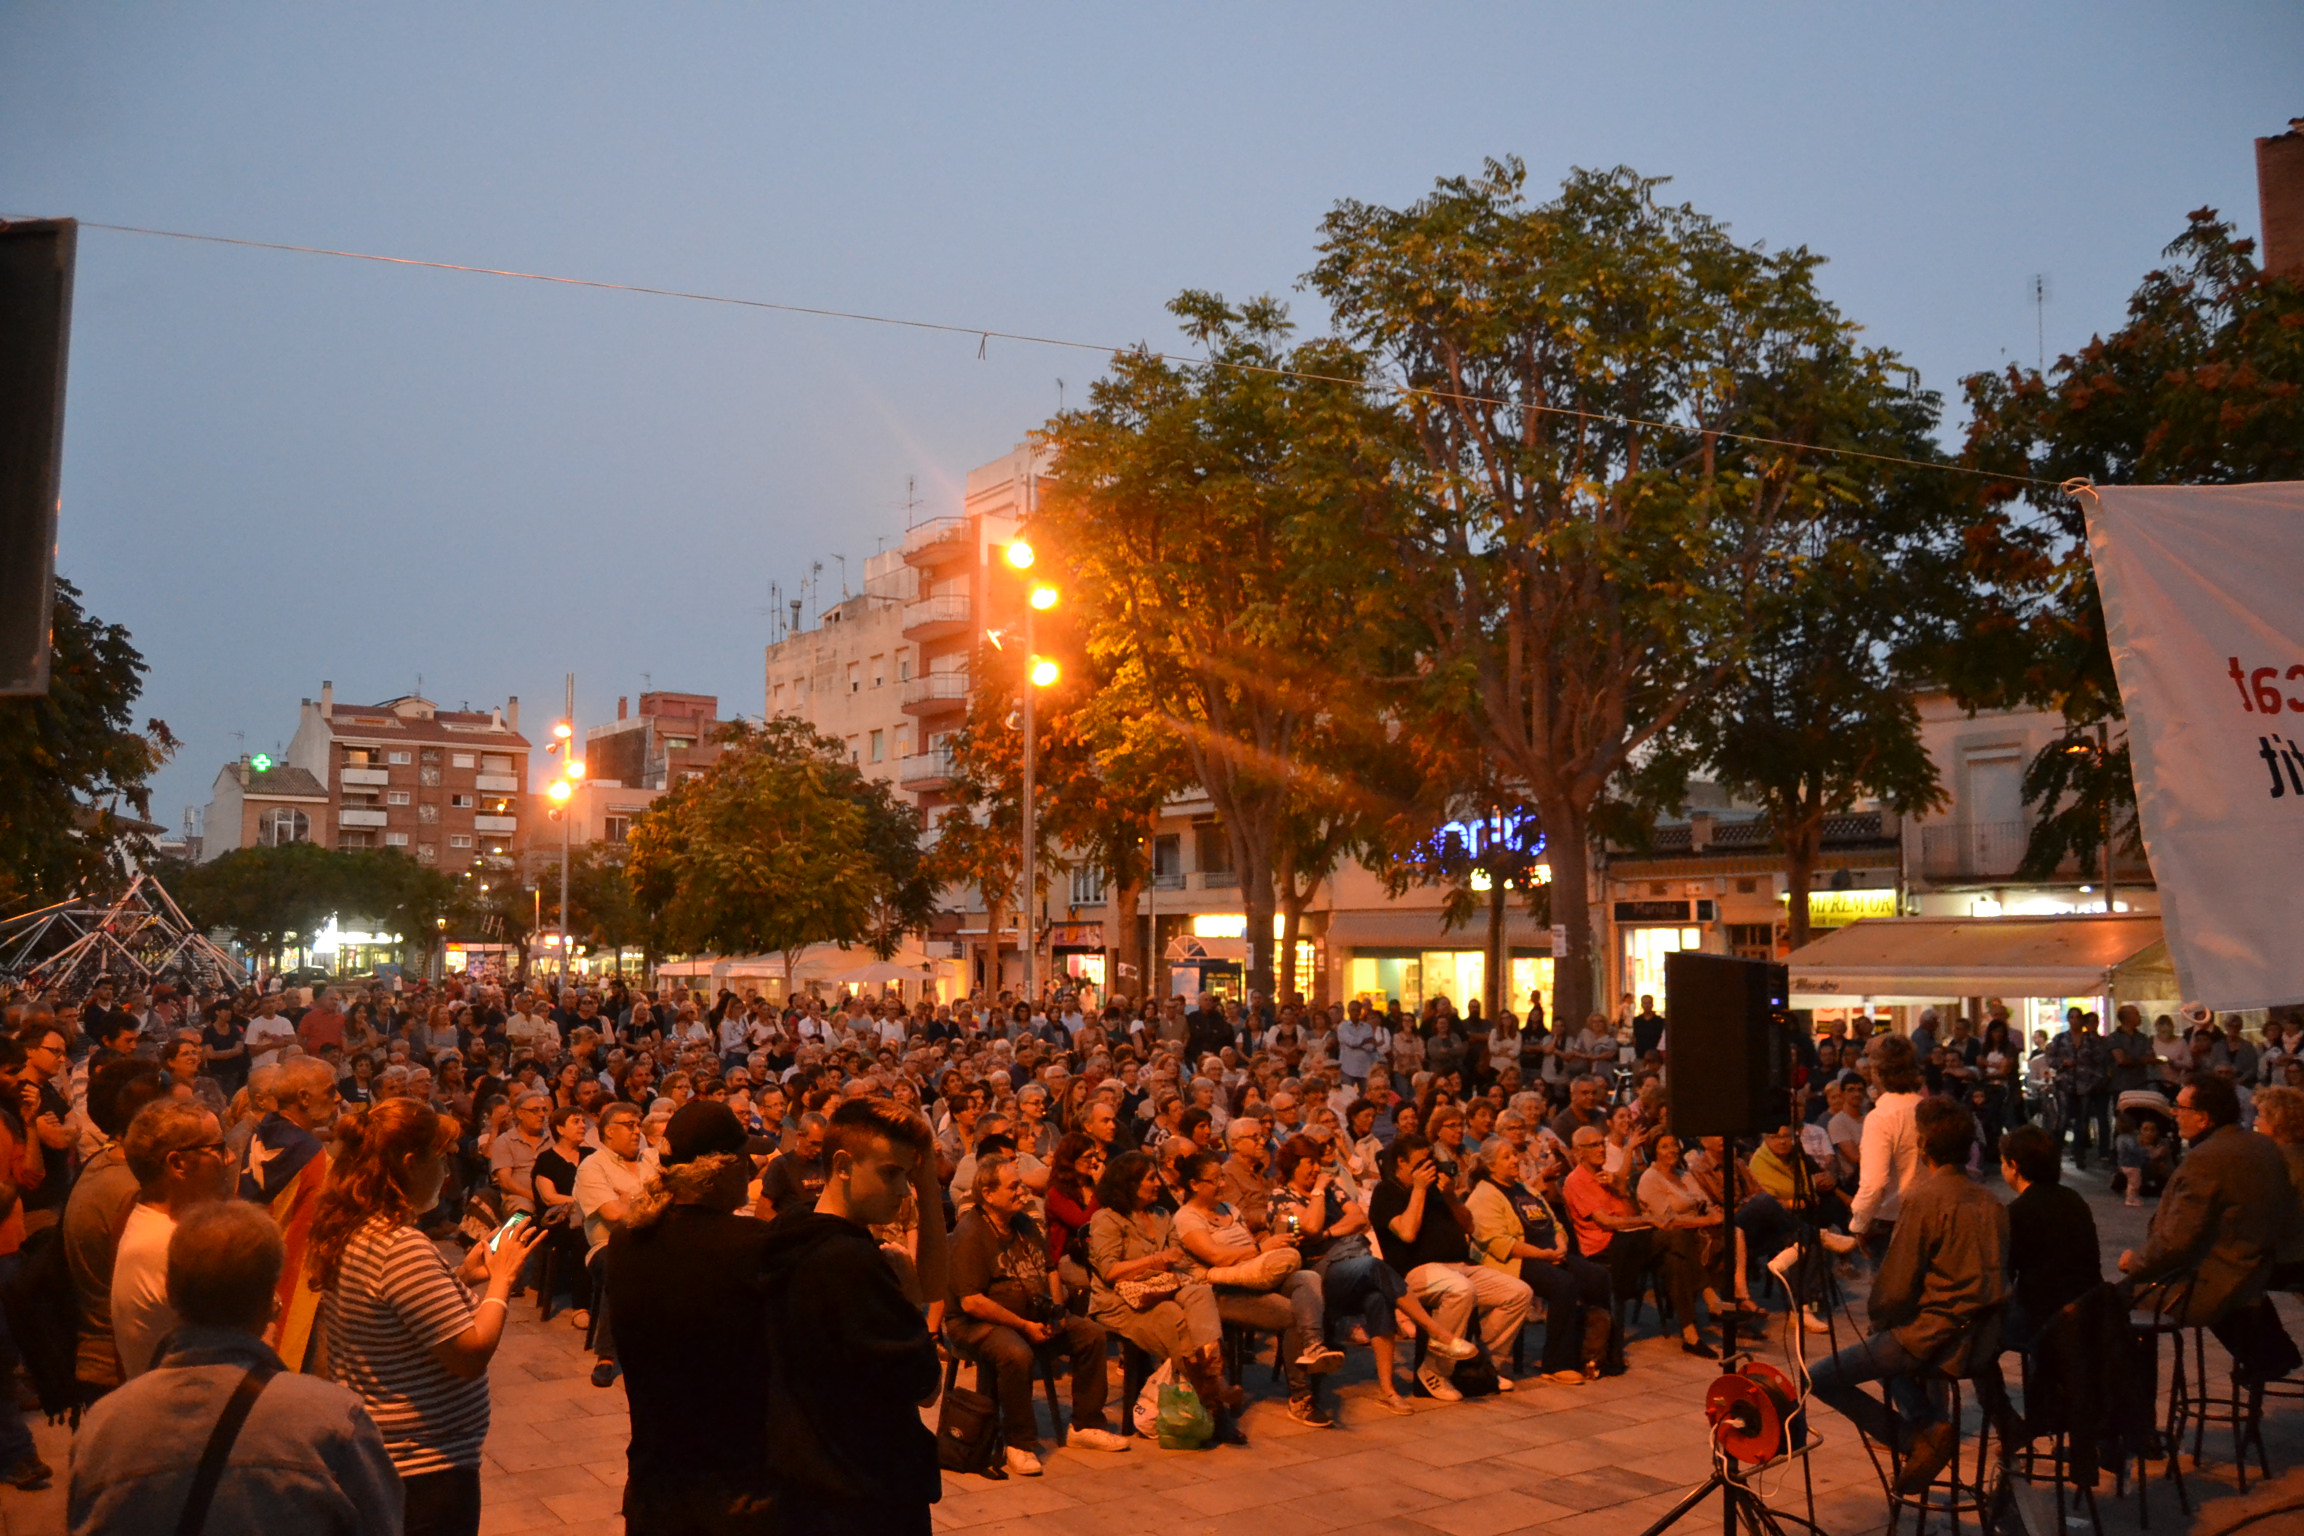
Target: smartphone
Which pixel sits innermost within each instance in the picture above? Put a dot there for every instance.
(519, 1220)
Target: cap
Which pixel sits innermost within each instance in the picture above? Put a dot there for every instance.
(701, 1128)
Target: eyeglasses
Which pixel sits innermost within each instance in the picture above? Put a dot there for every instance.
(203, 1146)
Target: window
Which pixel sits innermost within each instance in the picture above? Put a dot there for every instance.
(460, 759)
(616, 828)
(427, 853)
(1752, 941)
(360, 757)
(855, 678)
(395, 839)
(461, 802)
(1212, 846)
(855, 754)
(395, 797)
(356, 840)
(495, 762)
(1087, 885)
(459, 839)
(283, 824)
(398, 757)
(1746, 885)
(879, 745)
(904, 669)
(1168, 860)
(879, 671)
(428, 813)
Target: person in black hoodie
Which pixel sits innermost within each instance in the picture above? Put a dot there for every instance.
(851, 1361)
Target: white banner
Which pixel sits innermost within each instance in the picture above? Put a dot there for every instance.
(2204, 606)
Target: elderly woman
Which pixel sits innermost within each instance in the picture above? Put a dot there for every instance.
(1680, 1202)
(1259, 1282)
(1517, 1229)
(1143, 1289)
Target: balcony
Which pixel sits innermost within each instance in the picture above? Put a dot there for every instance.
(363, 776)
(935, 694)
(495, 823)
(1973, 850)
(939, 541)
(497, 784)
(1172, 881)
(1220, 880)
(926, 772)
(936, 618)
(351, 817)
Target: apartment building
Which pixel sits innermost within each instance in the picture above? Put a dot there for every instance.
(667, 740)
(257, 803)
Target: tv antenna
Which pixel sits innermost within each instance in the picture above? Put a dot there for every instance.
(843, 559)
(2040, 318)
(911, 502)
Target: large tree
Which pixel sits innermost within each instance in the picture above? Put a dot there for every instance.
(1217, 526)
(781, 844)
(265, 896)
(2204, 385)
(73, 767)
(1584, 533)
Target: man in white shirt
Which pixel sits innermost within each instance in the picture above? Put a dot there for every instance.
(1890, 1155)
(1356, 1044)
(528, 1032)
(606, 1185)
(268, 1034)
(177, 1152)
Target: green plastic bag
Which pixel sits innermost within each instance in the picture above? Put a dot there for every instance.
(1183, 1424)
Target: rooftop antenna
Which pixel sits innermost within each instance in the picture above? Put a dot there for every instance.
(816, 586)
(911, 500)
(843, 559)
(647, 682)
(2040, 318)
(1059, 397)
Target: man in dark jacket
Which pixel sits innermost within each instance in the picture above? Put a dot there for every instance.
(2053, 1257)
(851, 1360)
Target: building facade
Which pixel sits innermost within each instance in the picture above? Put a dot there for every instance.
(257, 803)
(668, 740)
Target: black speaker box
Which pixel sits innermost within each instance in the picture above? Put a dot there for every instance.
(1727, 1072)
(35, 320)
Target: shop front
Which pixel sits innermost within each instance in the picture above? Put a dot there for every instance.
(1077, 955)
(1408, 957)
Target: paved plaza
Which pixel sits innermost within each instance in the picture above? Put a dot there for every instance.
(1599, 1460)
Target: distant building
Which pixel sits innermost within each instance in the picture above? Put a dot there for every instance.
(265, 807)
(668, 740)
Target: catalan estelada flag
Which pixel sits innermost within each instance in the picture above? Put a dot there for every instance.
(287, 1168)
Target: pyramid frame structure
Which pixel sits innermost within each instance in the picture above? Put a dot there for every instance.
(138, 938)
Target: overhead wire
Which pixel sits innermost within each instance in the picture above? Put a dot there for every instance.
(985, 335)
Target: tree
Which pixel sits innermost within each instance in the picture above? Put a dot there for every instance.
(781, 844)
(70, 758)
(2204, 385)
(1582, 534)
(263, 896)
(1215, 526)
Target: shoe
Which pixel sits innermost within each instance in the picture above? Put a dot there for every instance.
(1096, 1440)
(1568, 1378)
(1319, 1360)
(1357, 1336)
(1022, 1463)
(1307, 1410)
(1932, 1447)
(604, 1374)
(1228, 1432)
(1838, 1242)
(1455, 1349)
(1435, 1385)
(31, 1474)
(1810, 1322)
(2132, 1202)
(1505, 1383)
(579, 1319)
(1699, 1349)
(1393, 1402)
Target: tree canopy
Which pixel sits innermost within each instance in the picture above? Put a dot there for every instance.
(262, 896)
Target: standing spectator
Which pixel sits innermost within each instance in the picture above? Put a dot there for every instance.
(176, 1150)
(607, 1184)
(1424, 1234)
(322, 1025)
(402, 1329)
(183, 1057)
(224, 1040)
(306, 1456)
(2083, 1063)
(269, 1033)
(1890, 1156)
(1647, 1027)
(102, 1198)
(1006, 1302)
(42, 1083)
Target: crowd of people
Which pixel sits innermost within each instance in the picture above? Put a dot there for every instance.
(776, 1220)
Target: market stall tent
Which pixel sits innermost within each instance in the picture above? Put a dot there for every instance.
(1896, 959)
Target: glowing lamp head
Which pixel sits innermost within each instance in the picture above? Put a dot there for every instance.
(1020, 555)
(563, 730)
(576, 768)
(559, 790)
(1044, 672)
(1043, 598)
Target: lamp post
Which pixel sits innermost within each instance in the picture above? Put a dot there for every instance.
(2100, 751)
(1039, 672)
(562, 791)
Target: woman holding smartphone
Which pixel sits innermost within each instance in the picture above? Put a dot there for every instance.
(403, 1329)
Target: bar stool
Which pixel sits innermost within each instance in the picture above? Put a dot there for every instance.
(1973, 1494)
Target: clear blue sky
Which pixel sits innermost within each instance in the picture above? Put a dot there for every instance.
(282, 468)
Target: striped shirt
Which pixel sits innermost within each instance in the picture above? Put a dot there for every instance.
(395, 1298)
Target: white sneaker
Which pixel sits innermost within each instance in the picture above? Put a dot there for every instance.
(1096, 1440)
(1838, 1242)
(1455, 1349)
(1319, 1360)
(1022, 1463)
(1814, 1324)
(1436, 1386)
(1504, 1383)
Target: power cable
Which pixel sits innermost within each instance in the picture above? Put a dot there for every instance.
(985, 335)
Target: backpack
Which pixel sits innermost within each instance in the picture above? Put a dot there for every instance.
(44, 1320)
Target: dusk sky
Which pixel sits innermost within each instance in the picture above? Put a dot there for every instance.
(283, 468)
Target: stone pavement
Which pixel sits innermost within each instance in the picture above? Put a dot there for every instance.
(1600, 1460)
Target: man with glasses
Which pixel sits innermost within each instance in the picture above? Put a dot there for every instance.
(46, 1109)
(177, 1152)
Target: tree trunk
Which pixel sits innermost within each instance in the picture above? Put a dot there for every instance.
(1499, 957)
(1803, 842)
(1256, 897)
(1127, 945)
(1574, 983)
(1292, 905)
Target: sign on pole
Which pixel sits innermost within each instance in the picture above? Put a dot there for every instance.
(2207, 636)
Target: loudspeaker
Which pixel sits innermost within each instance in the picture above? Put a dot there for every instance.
(35, 324)
(1726, 1019)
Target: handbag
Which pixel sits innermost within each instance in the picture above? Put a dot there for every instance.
(968, 1437)
(1148, 1291)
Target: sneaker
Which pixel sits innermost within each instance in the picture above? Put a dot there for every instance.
(1812, 1323)
(1455, 1349)
(1435, 1385)
(1096, 1440)
(1838, 1242)
(1932, 1448)
(604, 1374)
(1319, 1360)
(1568, 1378)
(31, 1474)
(1505, 1383)
(1307, 1410)
(1022, 1463)
(1393, 1402)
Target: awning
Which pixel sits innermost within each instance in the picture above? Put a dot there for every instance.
(1941, 957)
(1189, 948)
(1412, 928)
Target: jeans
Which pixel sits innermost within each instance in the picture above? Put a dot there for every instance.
(442, 1503)
(2090, 1113)
(1296, 1310)
(1453, 1292)
(15, 1439)
(1362, 1288)
(1838, 1383)
(1011, 1359)
(1569, 1289)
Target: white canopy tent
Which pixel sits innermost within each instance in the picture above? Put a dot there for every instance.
(1922, 959)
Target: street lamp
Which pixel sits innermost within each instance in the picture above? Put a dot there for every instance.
(1039, 672)
(2099, 750)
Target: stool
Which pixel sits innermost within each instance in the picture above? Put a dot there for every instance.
(1043, 1362)
(1974, 1495)
(2247, 1420)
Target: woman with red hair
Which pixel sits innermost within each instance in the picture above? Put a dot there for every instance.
(402, 1328)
